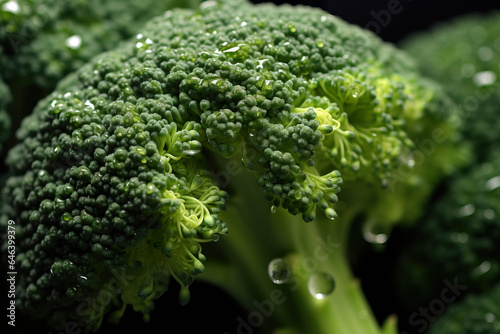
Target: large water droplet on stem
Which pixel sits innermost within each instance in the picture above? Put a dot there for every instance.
(279, 271)
(320, 285)
(374, 233)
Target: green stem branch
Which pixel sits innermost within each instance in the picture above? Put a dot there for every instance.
(258, 235)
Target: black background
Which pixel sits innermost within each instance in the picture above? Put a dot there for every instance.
(210, 309)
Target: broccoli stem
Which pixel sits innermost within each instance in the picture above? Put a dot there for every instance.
(257, 236)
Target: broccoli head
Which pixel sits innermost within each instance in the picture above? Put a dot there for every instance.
(458, 238)
(476, 314)
(463, 55)
(49, 39)
(44, 40)
(120, 171)
(41, 41)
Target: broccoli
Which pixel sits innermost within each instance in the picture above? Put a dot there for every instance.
(458, 238)
(69, 34)
(21, 19)
(463, 55)
(477, 314)
(234, 117)
(44, 40)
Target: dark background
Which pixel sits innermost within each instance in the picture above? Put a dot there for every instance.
(210, 309)
(415, 15)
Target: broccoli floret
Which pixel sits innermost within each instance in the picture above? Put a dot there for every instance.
(476, 314)
(126, 168)
(23, 19)
(79, 30)
(44, 40)
(464, 56)
(458, 238)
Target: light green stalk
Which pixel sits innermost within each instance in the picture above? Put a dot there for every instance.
(257, 235)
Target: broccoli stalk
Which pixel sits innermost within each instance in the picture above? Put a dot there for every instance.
(260, 233)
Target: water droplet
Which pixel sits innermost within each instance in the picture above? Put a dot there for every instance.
(292, 28)
(459, 237)
(207, 4)
(466, 210)
(374, 234)
(489, 317)
(233, 49)
(11, 6)
(320, 44)
(330, 214)
(273, 209)
(320, 285)
(191, 152)
(150, 189)
(74, 42)
(279, 271)
(493, 183)
(489, 214)
(323, 18)
(216, 81)
(485, 53)
(484, 78)
(482, 269)
(88, 103)
(261, 63)
(248, 163)
(236, 51)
